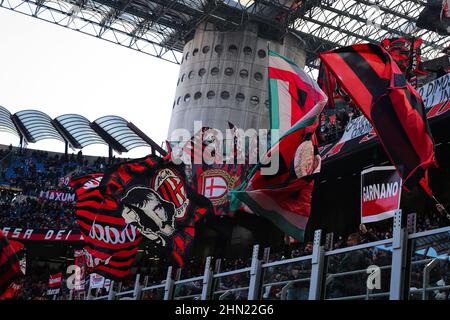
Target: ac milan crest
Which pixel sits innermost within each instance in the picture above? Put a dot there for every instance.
(171, 187)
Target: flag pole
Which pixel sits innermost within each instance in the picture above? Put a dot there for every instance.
(438, 202)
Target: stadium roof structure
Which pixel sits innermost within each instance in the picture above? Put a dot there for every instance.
(160, 28)
(116, 131)
(35, 125)
(76, 131)
(6, 123)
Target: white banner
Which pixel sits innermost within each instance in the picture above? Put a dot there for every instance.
(54, 291)
(97, 281)
(436, 91)
(58, 196)
(357, 127)
(380, 193)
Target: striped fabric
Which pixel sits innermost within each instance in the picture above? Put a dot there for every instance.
(285, 198)
(394, 108)
(290, 92)
(161, 177)
(9, 264)
(328, 85)
(111, 244)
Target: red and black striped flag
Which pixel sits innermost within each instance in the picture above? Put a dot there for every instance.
(407, 54)
(215, 180)
(327, 83)
(157, 200)
(9, 264)
(111, 243)
(395, 109)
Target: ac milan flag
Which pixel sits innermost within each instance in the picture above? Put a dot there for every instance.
(200, 149)
(403, 50)
(380, 193)
(285, 197)
(394, 108)
(111, 243)
(157, 201)
(9, 264)
(54, 284)
(288, 91)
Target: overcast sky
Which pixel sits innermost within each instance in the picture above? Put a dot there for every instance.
(57, 70)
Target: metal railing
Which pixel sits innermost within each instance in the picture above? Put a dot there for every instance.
(222, 291)
(315, 274)
(183, 283)
(295, 272)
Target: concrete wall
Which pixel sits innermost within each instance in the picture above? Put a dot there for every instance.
(223, 77)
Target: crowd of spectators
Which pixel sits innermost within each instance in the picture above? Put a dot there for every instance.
(25, 176)
(36, 213)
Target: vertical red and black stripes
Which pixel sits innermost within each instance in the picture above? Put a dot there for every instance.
(9, 264)
(376, 85)
(406, 53)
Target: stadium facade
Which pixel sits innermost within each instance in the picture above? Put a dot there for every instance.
(223, 78)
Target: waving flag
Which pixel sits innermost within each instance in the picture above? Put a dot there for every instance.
(435, 17)
(327, 83)
(215, 180)
(157, 201)
(406, 53)
(285, 197)
(111, 243)
(394, 108)
(54, 284)
(9, 264)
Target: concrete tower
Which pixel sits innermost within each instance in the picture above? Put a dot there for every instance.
(223, 77)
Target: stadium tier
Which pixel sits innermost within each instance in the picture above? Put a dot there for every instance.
(307, 158)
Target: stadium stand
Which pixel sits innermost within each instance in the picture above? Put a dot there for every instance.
(27, 174)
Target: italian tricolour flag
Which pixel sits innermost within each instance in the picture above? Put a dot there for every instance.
(284, 198)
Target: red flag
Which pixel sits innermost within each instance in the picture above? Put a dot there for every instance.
(395, 109)
(9, 264)
(406, 53)
(157, 200)
(215, 180)
(327, 83)
(54, 283)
